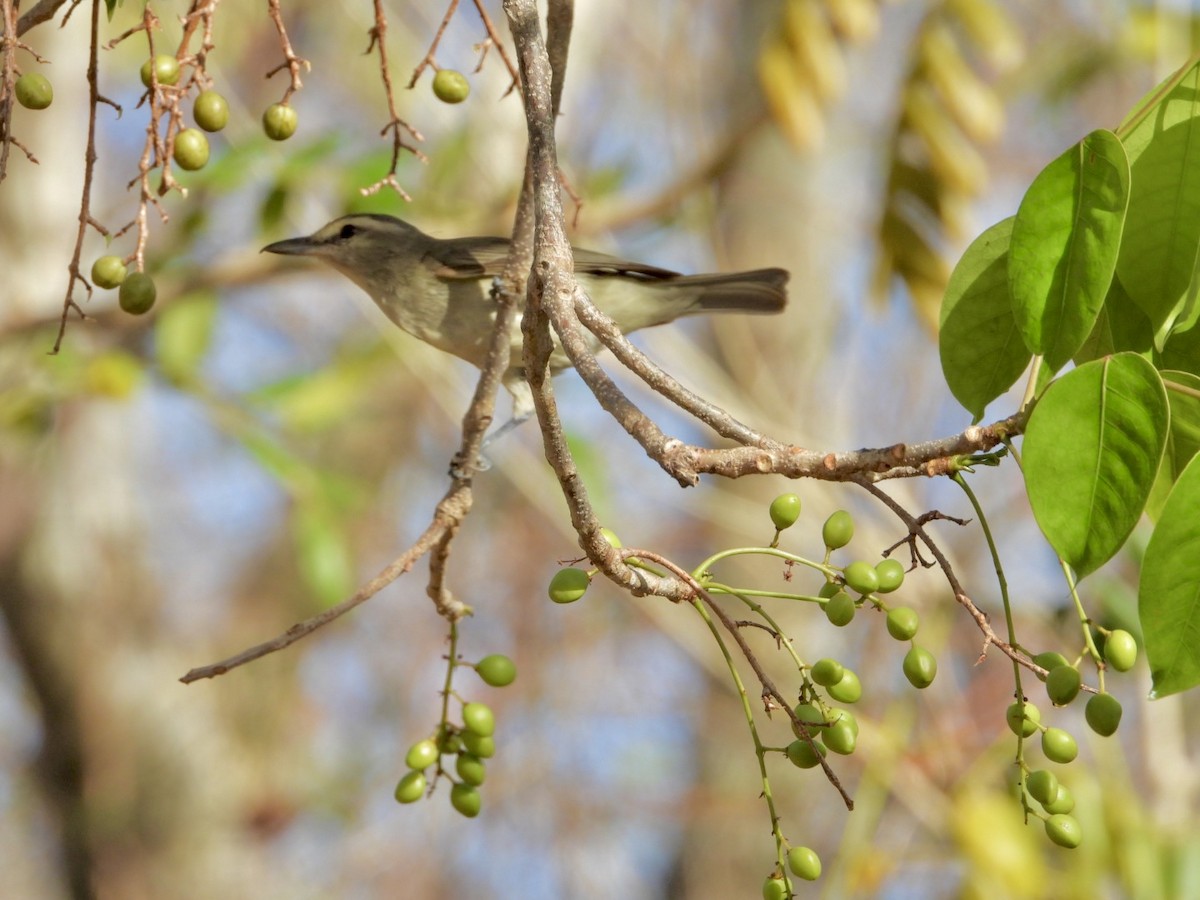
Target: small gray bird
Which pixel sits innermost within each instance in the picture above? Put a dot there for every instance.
(439, 290)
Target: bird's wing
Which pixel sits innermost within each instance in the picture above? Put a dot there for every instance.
(484, 258)
(589, 262)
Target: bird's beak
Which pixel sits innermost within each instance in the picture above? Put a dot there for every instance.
(301, 246)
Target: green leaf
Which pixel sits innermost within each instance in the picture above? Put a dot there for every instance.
(1092, 449)
(323, 552)
(1162, 229)
(981, 349)
(1064, 246)
(1181, 351)
(1183, 438)
(111, 6)
(183, 333)
(1121, 325)
(1169, 591)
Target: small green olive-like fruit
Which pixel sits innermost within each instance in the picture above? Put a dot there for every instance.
(891, 575)
(210, 111)
(611, 536)
(1064, 830)
(862, 577)
(812, 716)
(842, 735)
(1059, 746)
(1062, 685)
(848, 690)
(451, 86)
(568, 585)
(108, 272)
(470, 769)
(1050, 660)
(802, 755)
(411, 787)
(478, 745)
(785, 510)
(191, 149)
(920, 667)
(1103, 714)
(840, 609)
(497, 670)
(165, 68)
(1120, 650)
(828, 589)
(34, 91)
(1042, 785)
(838, 530)
(774, 889)
(421, 754)
(902, 623)
(804, 863)
(827, 671)
(1063, 802)
(479, 719)
(280, 121)
(466, 799)
(1023, 719)
(137, 293)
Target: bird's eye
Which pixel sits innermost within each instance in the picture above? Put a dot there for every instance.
(347, 232)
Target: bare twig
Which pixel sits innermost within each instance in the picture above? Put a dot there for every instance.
(430, 59)
(291, 61)
(378, 35)
(495, 40)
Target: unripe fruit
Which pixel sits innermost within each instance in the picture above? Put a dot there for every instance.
(920, 667)
(1042, 785)
(611, 536)
(1063, 803)
(842, 736)
(804, 863)
(774, 889)
(848, 690)
(1062, 685)
(802, 755)
(838, 530)
(826, 672)
(1023, 719)
(1064, 830)
(890, 573)
(421, 754)
(451, 86)
(108, 272)
(166, 69)
(497, 670)
(809, 714)
(34, 91)
(1059, 746)
(1050, 660)
(411, 787)
(466, 799)
(210, 111)
(478, 745)
(191, 149)
(279, 122)
(479, 719)
(828, 589)
(785, 510)
(862, 577)
(1103, 714)
(568, 585)
(1120, 650)
(902, 623)
(137, 293)
(840, 609)
(470, 769)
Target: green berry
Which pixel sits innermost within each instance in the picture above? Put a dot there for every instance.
(802, 755)
(848, 690)
(466, 799)
(920, 667)
(1103, 714)
(1062, 685)
(210, 111)
(611, 536)
(1042, 785)
(279, 122)
(902, 623)
(451, 86)
(810, 714)
(191, 149)
(804, 863)
(826, 672)
(470, 769)
(1064, 830)
(166, 69)
(1120, 650)
(890, 573)
(34, 91)
(1050, 660)
(421, 754)
(1023, 718)
(862, 577)
(108, 272)
(828, 589)
(478, 745)
(785, 510)
(1063, 802)
(842, 736)
(411, 787)
(1059, 746)
(840, 609)
(137, 293)
(497, 670)
(568, 585)
(838, 530)
(479, 719)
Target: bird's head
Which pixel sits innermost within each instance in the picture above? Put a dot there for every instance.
(359, 246)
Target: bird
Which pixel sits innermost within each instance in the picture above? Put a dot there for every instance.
(439, 290)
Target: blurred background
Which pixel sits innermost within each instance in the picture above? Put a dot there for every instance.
(178, 486)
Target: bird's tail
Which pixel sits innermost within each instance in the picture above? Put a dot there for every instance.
(757, 291)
